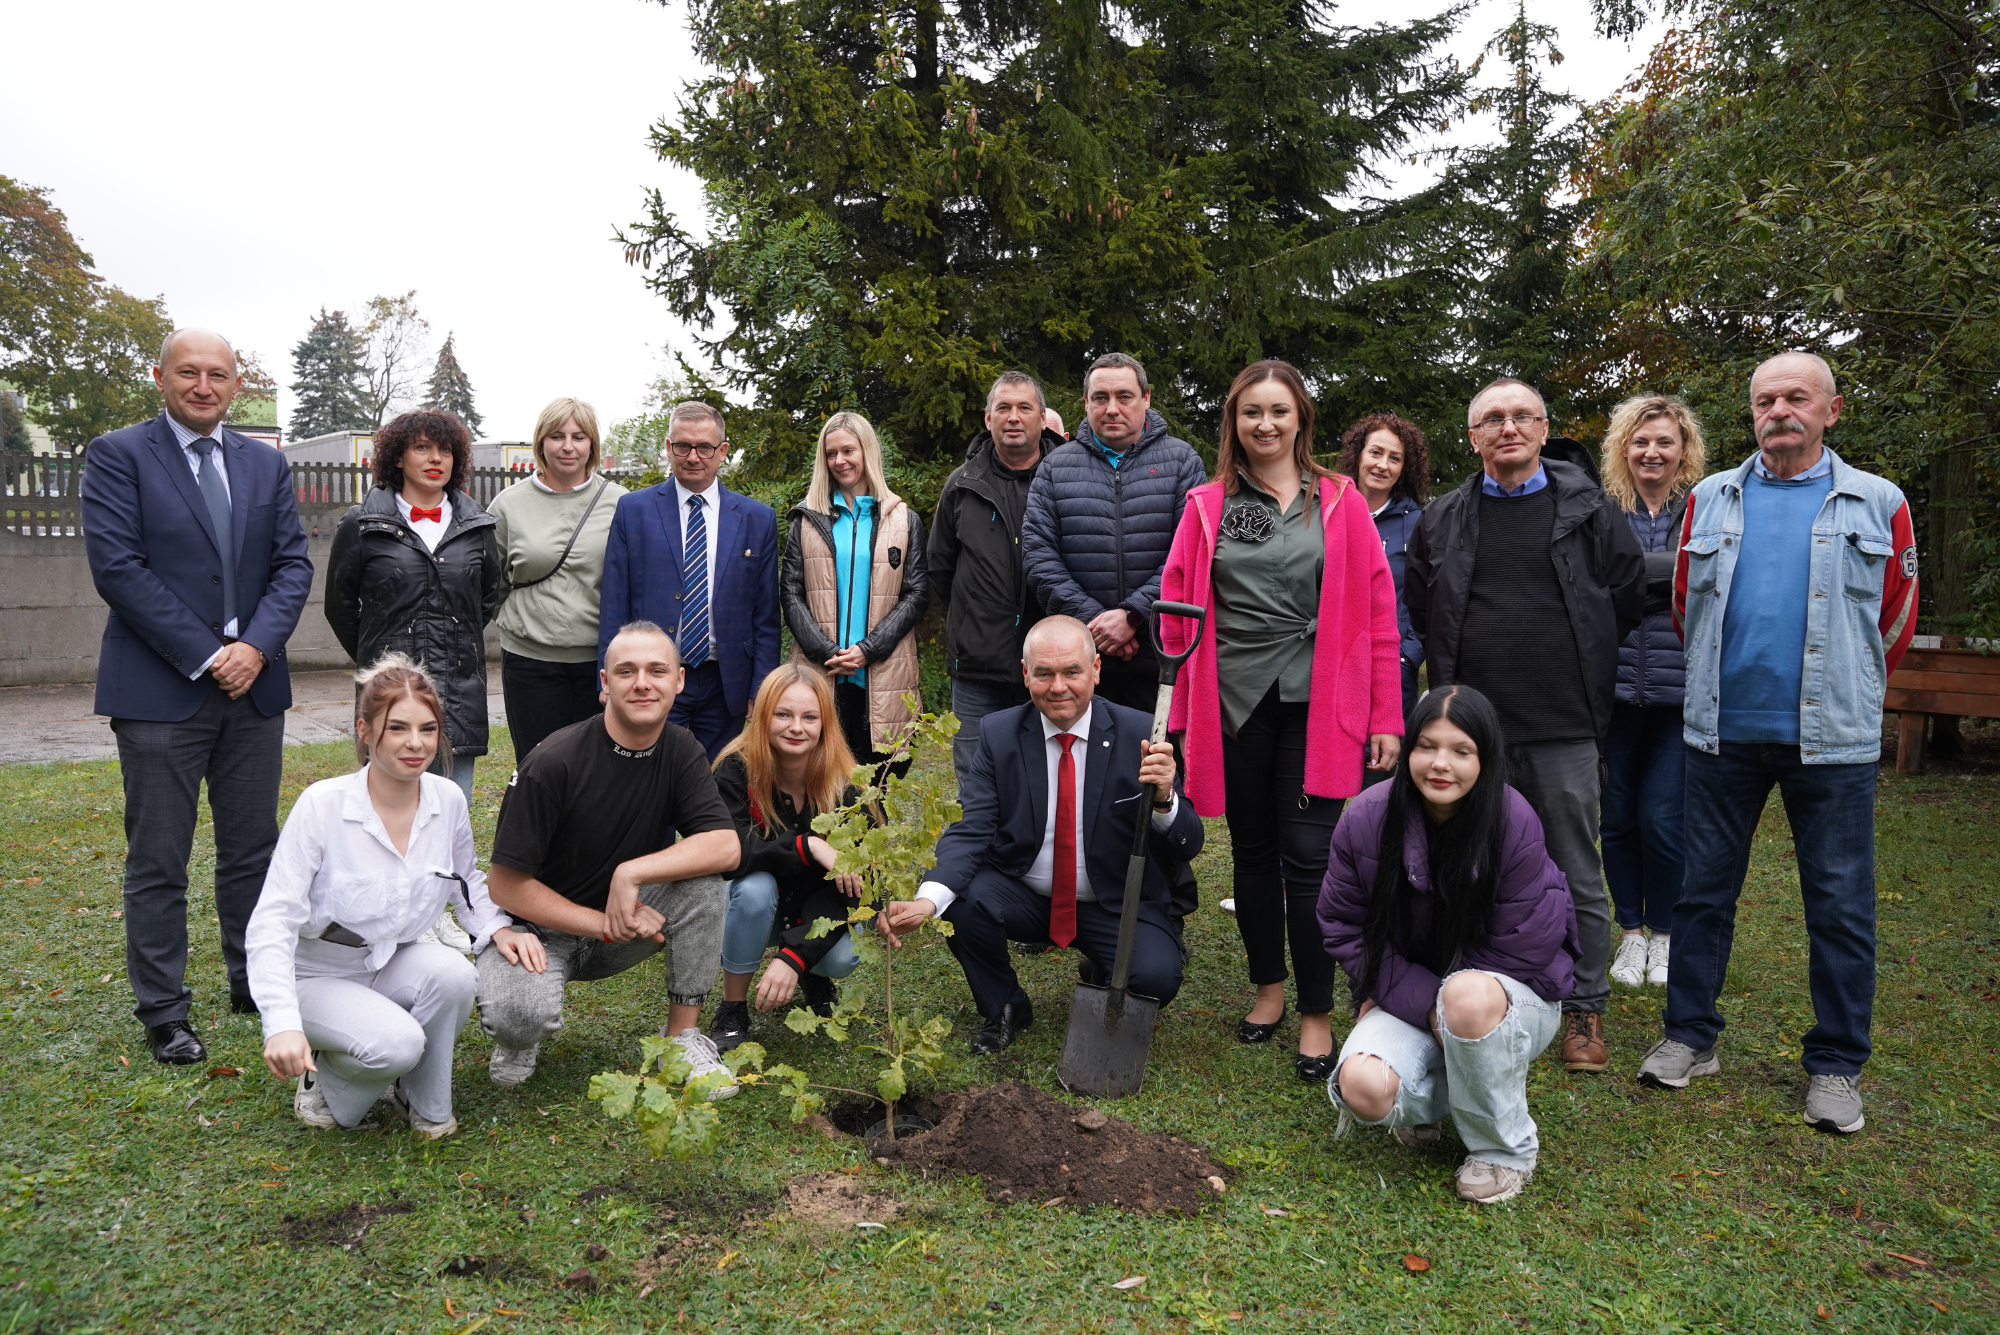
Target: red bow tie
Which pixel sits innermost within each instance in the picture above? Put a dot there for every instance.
(418, 512)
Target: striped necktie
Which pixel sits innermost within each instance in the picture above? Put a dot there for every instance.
(216, 496)
(694, 588)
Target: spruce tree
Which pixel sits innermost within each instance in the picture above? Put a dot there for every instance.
(327, 379)
(449, 391)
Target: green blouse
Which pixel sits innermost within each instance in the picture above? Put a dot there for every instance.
(1266, 598)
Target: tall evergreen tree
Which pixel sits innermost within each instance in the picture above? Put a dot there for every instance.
(328, 369)
(449, 390)
(906, 199)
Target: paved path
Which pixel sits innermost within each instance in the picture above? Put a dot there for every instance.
(39, 723)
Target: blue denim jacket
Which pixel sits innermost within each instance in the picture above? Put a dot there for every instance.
(1861, 532)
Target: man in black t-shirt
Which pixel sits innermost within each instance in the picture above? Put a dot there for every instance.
(586, 855)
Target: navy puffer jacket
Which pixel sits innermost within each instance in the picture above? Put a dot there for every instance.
(1652, 669)
(1096, 537)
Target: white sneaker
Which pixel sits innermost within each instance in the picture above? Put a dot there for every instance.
(1485, 1183)
(446, 932)
(418, 1126)
(508, 1067)
(1226, 905)
(1656, 959)
(309, 1103)
(702, 1055)
(1416, 1137)
(1628, 968)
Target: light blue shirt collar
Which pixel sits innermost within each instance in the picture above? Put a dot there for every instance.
(1528, 488)
(1824, 468)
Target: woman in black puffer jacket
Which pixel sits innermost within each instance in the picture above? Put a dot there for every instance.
(415, 569)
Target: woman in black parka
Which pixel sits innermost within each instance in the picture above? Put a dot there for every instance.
(415, 570)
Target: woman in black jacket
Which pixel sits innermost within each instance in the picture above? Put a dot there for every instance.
(415, 570)
(788, 765)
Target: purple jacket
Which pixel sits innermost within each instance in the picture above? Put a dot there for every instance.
(1532, 937)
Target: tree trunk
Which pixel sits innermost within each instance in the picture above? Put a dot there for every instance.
(1948, 565)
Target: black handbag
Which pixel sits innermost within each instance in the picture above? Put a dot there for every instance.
(561, 561)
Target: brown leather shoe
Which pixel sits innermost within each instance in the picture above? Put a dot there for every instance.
(1583, 1046)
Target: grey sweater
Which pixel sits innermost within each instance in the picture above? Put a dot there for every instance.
(554, 621)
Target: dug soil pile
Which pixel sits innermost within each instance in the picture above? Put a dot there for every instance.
(1027, 1147)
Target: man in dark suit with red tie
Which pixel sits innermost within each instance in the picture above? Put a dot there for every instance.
(1046, 862)
(194, 541)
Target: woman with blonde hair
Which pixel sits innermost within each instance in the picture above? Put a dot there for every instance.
(357, 1002)
(855, 584)
(786, 766)
(1653, 455)
(552, 527)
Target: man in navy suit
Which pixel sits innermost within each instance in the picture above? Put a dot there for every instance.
(194, 541)
(1046, 862)
(697, 558)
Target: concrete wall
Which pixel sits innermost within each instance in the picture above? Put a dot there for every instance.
(51, 619)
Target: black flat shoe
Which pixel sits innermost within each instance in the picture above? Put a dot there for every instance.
(1248, 1031)
(1315, 1070)
(731, 1025)
(820, 994)
(176, 1043)
(242, 1003)
(1000, 1029)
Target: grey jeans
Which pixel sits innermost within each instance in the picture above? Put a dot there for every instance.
(373, 1027)
(1561, 782)
(518, 1009)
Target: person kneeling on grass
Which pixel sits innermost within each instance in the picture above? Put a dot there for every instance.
(1459, 935)
(355, 1004)
(585, 851)
(787, 766)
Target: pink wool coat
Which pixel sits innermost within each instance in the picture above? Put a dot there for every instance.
(1357, 686)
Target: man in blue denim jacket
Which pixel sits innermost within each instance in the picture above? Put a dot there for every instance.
(1788, 654)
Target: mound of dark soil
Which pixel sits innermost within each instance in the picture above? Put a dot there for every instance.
(339, 1228)
(1028, 1147)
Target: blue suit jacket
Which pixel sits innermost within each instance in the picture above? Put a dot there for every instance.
(1005, 801)
(155, 559)
(642, 582)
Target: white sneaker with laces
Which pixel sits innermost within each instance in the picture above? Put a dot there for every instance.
(446, 932)
(702, 1055)
(1629, 967)
(1656, 959)
(309, 1103)
(508, 1067)
(1485, 1183)
(418, 1126)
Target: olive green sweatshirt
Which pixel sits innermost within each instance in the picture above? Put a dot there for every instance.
(554, 621)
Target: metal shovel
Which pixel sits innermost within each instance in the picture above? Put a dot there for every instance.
(1110, 1029)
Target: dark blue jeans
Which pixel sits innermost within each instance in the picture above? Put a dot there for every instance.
(972, 700)
(1832, 813)
(1645, 772)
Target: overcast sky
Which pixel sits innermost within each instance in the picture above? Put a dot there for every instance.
(251, 162)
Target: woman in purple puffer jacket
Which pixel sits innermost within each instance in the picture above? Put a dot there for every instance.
(1458, 938)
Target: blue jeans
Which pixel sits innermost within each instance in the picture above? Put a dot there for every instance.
(1832, 813)
(461, 771)
(748, 928)
(1645, 775)
(972, 701)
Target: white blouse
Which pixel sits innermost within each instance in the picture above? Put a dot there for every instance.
(335, 864)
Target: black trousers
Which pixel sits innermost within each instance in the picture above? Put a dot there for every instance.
(240, 753)
(850, 702)
(1139, 688)
(544, 697)
(996, 909)
(1278, 837)
(703, 710)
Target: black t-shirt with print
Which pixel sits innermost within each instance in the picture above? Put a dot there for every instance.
(581, 804)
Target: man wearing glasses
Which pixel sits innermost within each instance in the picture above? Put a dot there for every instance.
(695, 557)
(1522, 583)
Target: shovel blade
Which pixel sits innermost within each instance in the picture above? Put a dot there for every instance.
(1110, 1035)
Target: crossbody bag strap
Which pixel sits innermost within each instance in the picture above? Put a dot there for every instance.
(595, 496)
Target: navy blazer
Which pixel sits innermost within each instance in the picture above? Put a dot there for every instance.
(1004, 833)
(642, 582)
(155, 560)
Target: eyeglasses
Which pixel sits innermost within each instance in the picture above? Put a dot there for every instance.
(681, 450)
(1490, 426)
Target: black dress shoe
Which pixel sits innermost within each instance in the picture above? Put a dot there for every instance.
(1086, 971)
(175, 1042)
(1248, 1031)
(1315, 1070)
(820, 994)
(242, 1003)
(1000, 1029)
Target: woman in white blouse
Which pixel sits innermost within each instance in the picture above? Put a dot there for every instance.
(354, 1004)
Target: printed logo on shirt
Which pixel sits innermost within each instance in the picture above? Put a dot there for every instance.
(1910, 562)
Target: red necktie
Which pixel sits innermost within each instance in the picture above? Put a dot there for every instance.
(418, 512)
(1062, 884)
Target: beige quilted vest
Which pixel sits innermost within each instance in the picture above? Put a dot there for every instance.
(889, 679)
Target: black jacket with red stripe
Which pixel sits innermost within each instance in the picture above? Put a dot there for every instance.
(805, 891)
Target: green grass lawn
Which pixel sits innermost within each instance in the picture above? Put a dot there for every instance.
(136, 1197)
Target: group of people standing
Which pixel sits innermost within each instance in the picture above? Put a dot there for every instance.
(1443, 849)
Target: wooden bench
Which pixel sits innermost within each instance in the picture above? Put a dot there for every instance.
(1951, 682)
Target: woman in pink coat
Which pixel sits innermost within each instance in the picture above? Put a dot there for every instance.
(1294, 690)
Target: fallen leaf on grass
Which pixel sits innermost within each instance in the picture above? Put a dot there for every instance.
(123, 1062)
(1824, 1313)
(1275, 1214)
(1935, 1303)
(224, 1070)
(1911, 1259)
(1130, 1282)
(1415, 1264)
(1053, 1200)
(471, 1326)
(509, 1311)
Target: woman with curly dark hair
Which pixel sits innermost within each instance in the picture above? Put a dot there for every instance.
(415, 570)
(1386, 455)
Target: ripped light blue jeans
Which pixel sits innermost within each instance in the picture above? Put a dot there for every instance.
(752, 923)
(1480, 1083)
